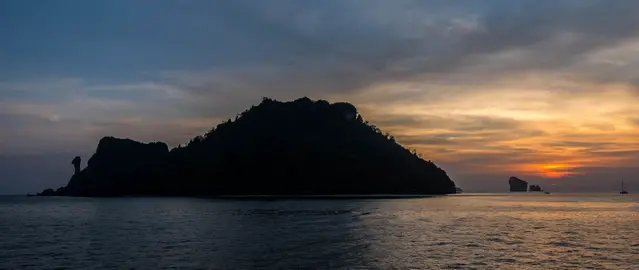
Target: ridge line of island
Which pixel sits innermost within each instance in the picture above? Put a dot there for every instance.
(278, 149)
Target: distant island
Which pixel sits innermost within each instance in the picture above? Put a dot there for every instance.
(301, 147)
(535, 188)
(518, 185)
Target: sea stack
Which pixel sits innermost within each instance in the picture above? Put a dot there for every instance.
(77, 161)
(518, 185)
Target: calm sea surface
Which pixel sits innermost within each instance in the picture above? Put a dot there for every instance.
(557, 231)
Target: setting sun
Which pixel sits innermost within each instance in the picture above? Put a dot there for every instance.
(554, 174)
(552, 170)
(555, 170)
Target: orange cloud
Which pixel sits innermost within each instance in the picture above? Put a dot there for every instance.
(540, 125)
(554, 170)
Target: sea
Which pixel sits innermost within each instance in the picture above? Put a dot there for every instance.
(463, 231)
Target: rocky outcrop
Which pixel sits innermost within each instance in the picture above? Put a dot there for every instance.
(517, 185)
(118, 167)
(47, 192)
(302, 147)
(76, 162)
(535, 188)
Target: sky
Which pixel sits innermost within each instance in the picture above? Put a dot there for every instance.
(545, 90)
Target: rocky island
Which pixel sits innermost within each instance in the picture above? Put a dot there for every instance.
(301, 147)
(517, 185)
(535, 188)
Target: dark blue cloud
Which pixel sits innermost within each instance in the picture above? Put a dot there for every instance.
(123, 39)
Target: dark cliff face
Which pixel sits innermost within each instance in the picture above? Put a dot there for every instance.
(118, 167)
(517, 185)
(300, 147)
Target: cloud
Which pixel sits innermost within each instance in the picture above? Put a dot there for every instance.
(31, 134)
(522, 131)
(81, 113)
(27, 134)
(461, 123)
(356, 44)
(335, 47)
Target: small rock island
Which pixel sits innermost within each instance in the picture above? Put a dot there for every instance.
(535, 188)
(301, 147)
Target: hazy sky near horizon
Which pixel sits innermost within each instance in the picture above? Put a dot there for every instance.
(547, 90)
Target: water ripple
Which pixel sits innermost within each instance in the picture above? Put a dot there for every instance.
(481, 232)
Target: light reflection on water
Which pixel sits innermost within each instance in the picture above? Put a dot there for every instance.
(556, 231)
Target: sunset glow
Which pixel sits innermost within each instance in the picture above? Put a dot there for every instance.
(555, 171)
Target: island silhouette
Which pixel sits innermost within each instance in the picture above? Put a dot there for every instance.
(300, 147)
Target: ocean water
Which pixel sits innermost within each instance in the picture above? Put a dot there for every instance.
(490, 231)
